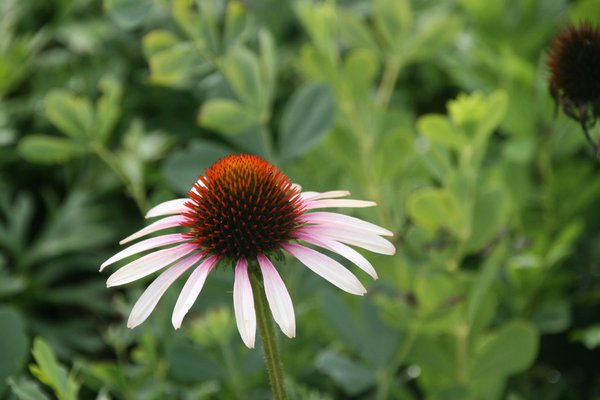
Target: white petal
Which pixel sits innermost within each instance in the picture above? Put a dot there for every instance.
(161, 224)
(143, 246)
(243, 304)
(149, 299)
(338, 203)
(278, 297)
(148, 264)
(345, 251)
(325, 195)
(168, 207)
(354, 237)
(327, 268)
(345, 220)
(191, 290)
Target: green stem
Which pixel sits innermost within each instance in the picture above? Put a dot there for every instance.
(266, 329)
(388, 81)
(230, 365)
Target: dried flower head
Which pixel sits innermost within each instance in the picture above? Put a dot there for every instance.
(574, 62)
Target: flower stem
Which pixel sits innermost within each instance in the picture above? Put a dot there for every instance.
(269, 339)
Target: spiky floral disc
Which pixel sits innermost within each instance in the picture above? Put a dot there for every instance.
(574, 61)
(243, 206)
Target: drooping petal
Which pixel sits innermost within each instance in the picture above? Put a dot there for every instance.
(168, 207)
(329, 218)
(278, 297)
(168, 222)
(327, 268)
(191, 290)
(354, 237)
(329, 203)
(148, 264)
(345, 251)
(149, 299)
(143, 246)
(243, 304)
(324, 195)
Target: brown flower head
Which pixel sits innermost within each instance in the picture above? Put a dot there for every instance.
(574, 62)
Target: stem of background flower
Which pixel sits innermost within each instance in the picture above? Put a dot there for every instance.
(230, 364)
(388, 82)
(109, 159)
(266, 329)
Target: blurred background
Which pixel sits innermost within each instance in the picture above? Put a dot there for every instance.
(438, 111)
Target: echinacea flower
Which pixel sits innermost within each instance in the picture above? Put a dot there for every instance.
(242, 212)
(574, 62)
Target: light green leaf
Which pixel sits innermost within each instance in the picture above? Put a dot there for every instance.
(268, 60)
(352, 377)
(319, 21)
(108, 107)
(306, 119)
(435, 208)
(46, 149)
(181, 169)
(511, 349)
(24, 389)
(437, 128)
(237, 24)
(73, 115)
(489, 217)
(227, 116)
(359, 71)
(354, 31)
(174, 66)
(13, 346)
(393, 19)
(240, 67)
(129, 13)
(156, 41)
(50, 372)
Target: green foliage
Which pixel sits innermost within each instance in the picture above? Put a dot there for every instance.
(440, 113)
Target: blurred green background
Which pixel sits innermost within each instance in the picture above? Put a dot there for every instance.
(438, 111)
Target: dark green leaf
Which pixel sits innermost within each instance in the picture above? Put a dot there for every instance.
(352, 377)
(14, 345)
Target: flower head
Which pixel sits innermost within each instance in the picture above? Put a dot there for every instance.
(242, 212)
(574, 62)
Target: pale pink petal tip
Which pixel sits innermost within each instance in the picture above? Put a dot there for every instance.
(243, 304)
(175, 206)
(278, 297)
(191, 290)
(168, 222)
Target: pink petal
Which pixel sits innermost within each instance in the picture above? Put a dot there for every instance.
(143, 246)
(164, 223)
(345, 251)
(278, 297)
(325, 195)
(354, 237)
(148, 264)
(149, 299)
(168, 207)
(191, 290)
(243, 304)
(327, 268)
(327, 218)
(338, 203)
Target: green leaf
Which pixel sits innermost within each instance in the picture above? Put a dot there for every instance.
(227, 116)
(268, 60)
(14, 345)
(108, 107)
(435, 208)
(158, 40)
(511, 349)
(46, 149)
(354, 31)
(306, 119)
(181, 169)
(437, 128)
(128, 14)
(393, 19)
(359, 71)
(483, 283)
(50, 372)
(73, 115)
(489, 217)
(552, 316)
(24, 389)
(175, 65)
(352, 377)
(237, 24)
(240, 67)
